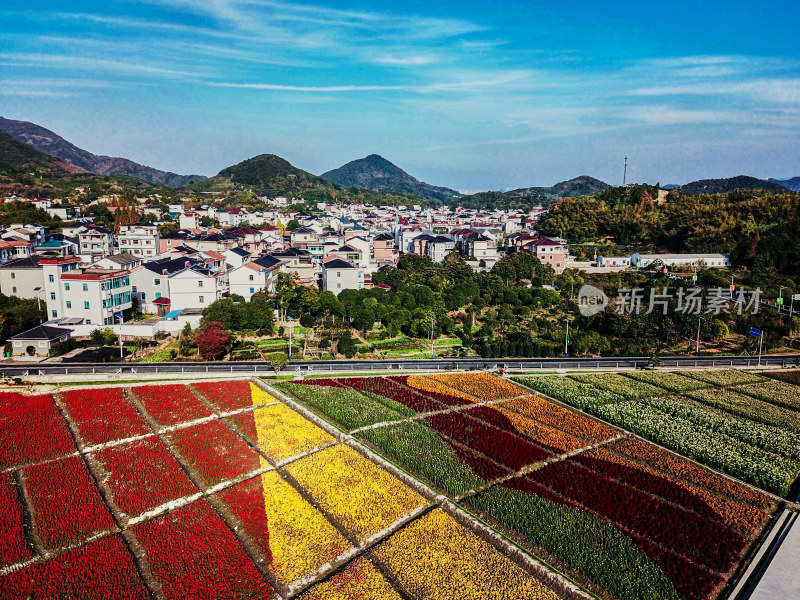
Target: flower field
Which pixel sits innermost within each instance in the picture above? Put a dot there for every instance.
(735, 422)
(790, 376)
(619, 384)
(623, 517)
(213, 489)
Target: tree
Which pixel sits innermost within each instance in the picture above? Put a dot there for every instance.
(277, 361)
(212, 341)
(259, 313)
(346, 345)
(224, 311)
(292, 225)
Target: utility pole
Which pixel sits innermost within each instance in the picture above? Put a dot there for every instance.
(760, 340)
(566, 341)
(291, 327)
(121, 356)
(433, 322)
(697, 352)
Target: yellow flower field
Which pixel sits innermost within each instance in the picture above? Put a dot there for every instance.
(362, 496)
(300, 538)
(259, 396)
(435, 557)
(281, 432)
(359, 581)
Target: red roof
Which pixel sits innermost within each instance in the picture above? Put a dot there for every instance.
(161, 301)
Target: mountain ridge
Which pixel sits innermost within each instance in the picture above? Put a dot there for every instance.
(373, 172)
(729, 184)
(51, 143)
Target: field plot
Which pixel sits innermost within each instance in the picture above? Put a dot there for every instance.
(623, 517)
(735, 422)
(213, 490)
(31, 430)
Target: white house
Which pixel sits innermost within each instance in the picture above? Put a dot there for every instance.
(251, 277)
(92, 296)
(140, 239)
(23, 278)
(339, 274)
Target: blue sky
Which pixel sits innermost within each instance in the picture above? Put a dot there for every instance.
(471, 95)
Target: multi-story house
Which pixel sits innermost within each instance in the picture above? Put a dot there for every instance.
(13, 250)
(22, 277)
(302, 237)
(439, 247)
(383, 250)
(300, 262)
(91, 295)
(339, 274)
(180, 283)
(259, 274)
(94, 242)
(140, 239)
(552, 253)
(189, 220)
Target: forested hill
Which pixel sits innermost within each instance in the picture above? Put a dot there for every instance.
(761, 230)
(527, 198)
(721, 186)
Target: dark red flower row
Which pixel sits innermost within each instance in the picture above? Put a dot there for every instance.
(226, 395)
(691, 580)
(394, 391)
(143, 475)
(701, 540)
(31, 429)
(103, 415)
(501, 446)
(170, 404)
(193, 554)
(67, 506)
(214, 452)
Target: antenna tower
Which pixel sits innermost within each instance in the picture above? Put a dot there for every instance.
(625, 172)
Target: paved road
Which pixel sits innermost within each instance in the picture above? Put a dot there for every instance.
(360, 366)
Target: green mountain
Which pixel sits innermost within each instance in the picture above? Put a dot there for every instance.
(722, 186)
(45, 140)
(790, 184)
(375, 173)
(270, 175)
(525, 198)
(19, 163)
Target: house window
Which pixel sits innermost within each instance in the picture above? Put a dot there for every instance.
(52, 295)
(156, 282)
(14, 290)
(14, 276)
(50, 278)
(158, 294)
(69, 304)
(66, 286)
(134, 288)
(252, 290)
(55, 314)
(251, 278)
(86, 305)
(339, 286)
(199, 284)
(202, 300)
(85, 287)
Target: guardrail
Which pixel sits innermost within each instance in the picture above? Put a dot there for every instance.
(395, 365)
